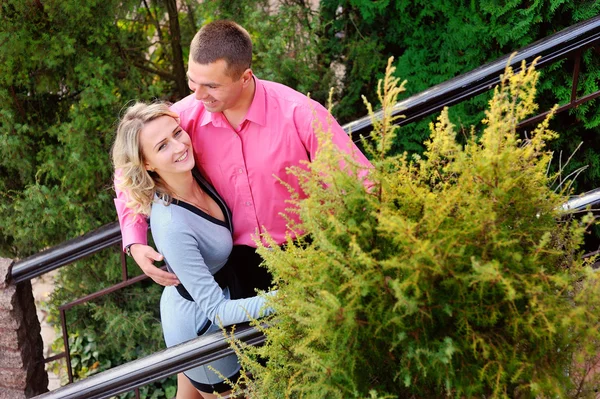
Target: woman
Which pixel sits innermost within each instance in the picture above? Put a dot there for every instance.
(191, 227)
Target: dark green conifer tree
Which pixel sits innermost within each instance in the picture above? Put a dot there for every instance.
(433, 42)
(68, 68)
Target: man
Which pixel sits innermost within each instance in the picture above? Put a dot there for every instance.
(244, 132)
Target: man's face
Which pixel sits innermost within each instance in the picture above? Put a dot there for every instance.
(214, 87)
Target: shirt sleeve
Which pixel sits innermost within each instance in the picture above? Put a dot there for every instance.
(134, 227)
(182, 252)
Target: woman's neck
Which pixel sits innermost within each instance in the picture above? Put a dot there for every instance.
(181, 185)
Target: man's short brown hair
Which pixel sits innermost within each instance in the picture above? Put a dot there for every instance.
(223, 40)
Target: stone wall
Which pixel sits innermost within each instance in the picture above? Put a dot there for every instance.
(22, 373)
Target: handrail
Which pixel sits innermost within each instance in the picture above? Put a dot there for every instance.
(582, 202)
(154, 367)
(65, 253)
(485, 77)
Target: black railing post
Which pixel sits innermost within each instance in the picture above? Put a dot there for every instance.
(65, 335)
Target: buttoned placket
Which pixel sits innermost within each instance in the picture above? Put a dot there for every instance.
(242, 172)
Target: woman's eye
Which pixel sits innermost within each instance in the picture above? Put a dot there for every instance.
(162, 146)
(177, 133)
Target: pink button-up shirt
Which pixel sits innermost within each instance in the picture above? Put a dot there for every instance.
(276, 133)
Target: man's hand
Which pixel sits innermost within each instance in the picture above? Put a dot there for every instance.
(145, 256)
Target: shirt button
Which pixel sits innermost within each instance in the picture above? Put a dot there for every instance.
(240, 171)
(248, 203)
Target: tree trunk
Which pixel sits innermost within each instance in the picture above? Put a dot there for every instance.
(178, 67)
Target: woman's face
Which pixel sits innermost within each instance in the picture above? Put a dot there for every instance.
(167, 148)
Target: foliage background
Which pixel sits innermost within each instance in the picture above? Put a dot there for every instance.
(435, 41)
(69, 68)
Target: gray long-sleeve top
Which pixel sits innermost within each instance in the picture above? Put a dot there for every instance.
(195, 246)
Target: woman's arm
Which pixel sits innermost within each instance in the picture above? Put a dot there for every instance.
(184, 256)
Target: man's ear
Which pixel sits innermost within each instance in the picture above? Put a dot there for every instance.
(247, 77)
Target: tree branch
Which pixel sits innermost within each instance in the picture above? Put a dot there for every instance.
(190, 15)
(154, 20)
(162, 74)
(18, 103)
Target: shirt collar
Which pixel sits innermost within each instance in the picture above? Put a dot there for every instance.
(209, 117)
(256, 113)
(258, 108)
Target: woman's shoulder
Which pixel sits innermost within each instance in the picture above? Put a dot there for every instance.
(161, 212)
(167, 219)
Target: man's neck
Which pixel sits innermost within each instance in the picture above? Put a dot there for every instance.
(235, 115)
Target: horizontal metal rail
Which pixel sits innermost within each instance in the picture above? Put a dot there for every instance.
(484, 78)
(65, 253)
(152, 368)
(583, 202)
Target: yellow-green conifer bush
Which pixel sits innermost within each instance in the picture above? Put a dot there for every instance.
(452, 275)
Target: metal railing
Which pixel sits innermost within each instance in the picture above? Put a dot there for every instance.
(154, 367)
(65, 253)
(570, 42)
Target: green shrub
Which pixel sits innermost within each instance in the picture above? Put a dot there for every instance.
(453, 274)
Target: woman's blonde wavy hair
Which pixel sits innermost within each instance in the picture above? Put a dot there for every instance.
(140, 184)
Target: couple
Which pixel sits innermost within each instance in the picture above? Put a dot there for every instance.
(243, 132)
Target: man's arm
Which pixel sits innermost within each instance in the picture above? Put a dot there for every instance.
(134, 230)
